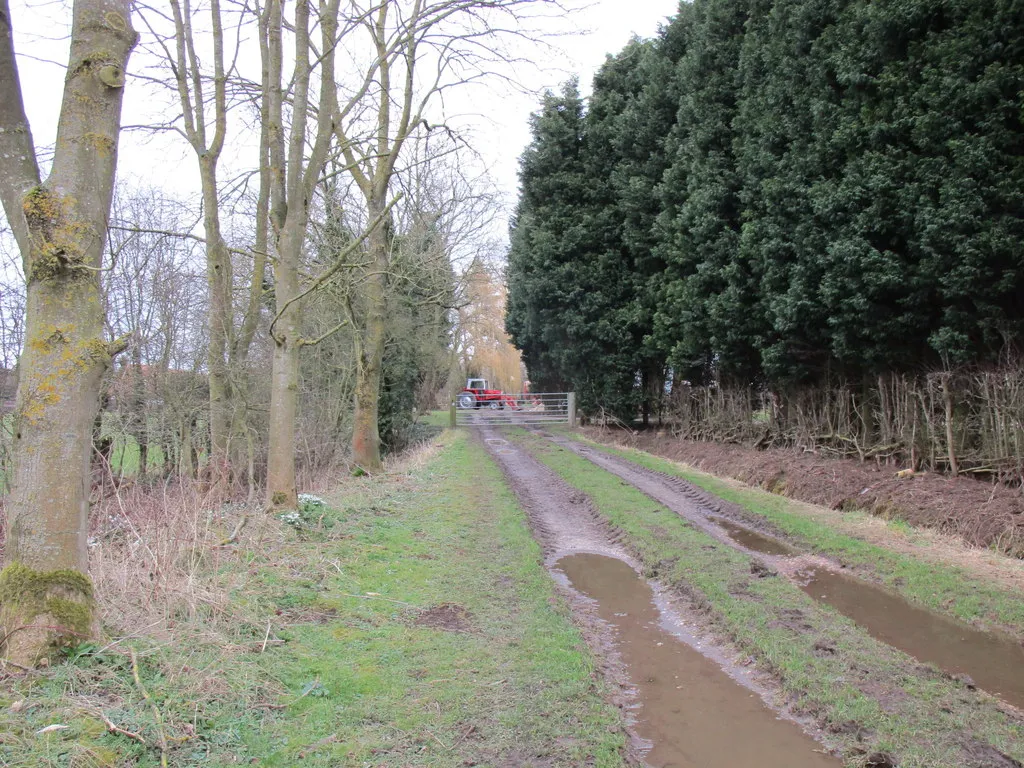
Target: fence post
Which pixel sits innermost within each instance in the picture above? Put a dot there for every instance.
(451, 415)
(572, 409)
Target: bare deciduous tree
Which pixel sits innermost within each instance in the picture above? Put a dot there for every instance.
(423, 49)
(295, 171)
(203, 96)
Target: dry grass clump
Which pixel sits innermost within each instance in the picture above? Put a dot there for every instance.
(157, 558)
(182, 620)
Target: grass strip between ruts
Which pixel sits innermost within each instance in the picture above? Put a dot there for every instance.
(872, 698)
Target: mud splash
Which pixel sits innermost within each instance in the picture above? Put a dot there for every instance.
(993, 663)
(690, 711)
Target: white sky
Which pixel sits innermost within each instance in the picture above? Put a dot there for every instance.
(499, 128)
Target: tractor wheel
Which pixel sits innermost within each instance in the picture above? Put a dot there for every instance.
(495, 405)
(466, 400)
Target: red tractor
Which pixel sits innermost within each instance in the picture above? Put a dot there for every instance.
(477, 395)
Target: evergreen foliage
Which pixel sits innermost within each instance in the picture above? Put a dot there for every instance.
(775, 192)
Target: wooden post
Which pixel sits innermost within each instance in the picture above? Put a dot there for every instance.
(572, 409)
(452, 415)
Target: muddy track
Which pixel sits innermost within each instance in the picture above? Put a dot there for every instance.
(678, 494)
(576, 539)
(994, 661)
(724, 521)
(564, 520)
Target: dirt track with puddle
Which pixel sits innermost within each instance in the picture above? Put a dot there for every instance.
(689, 703)
(993, 662)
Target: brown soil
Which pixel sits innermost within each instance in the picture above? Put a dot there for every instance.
(449, 617)
(982, 514)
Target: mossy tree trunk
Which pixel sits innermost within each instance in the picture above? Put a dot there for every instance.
(60, 226)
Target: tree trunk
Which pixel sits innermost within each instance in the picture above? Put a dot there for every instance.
(292, 181)
(284, 377)
(186, 463)
(370, 352)
(947, 401)
(220, 321)
(45, 595)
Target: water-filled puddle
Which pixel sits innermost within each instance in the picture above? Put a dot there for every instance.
(996, 664)
(752, 540)
(691, 711)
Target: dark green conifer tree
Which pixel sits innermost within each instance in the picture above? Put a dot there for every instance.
(704, 319)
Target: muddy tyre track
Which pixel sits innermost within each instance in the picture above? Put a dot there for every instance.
(679, 495)
(993, 661)
(665, 722)
(957, 726)
(563, 519)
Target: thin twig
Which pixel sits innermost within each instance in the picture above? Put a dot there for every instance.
(156, 710)
(16, 665)
(443, 745)
(237, 530)
(266, 638)
(116, 729)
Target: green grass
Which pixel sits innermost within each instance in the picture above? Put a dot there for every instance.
(519, 682)
(907, 709)
(435, 418)
(938, 587)
(350, 675)
(125, 455)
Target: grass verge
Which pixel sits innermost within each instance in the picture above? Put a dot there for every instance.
(405, 621)
(942, 588)
(873, 700)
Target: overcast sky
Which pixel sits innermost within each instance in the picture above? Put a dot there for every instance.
(499, 115)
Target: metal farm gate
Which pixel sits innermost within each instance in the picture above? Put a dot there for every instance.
(529, 408)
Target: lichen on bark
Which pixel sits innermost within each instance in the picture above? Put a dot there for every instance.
(57, 236)
(57, 604)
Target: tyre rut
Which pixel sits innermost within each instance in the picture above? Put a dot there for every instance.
(994, 662)
(678, 684)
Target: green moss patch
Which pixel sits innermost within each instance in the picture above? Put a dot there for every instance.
(64, 594)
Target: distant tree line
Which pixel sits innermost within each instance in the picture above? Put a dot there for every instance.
(779, 196)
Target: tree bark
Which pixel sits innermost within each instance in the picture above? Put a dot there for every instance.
(296, 168)
(219, 283)
(370, 349)
(220, 320)
(45, 595)
(947, 401)
(284, 381)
